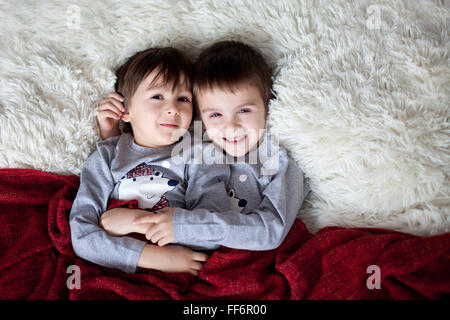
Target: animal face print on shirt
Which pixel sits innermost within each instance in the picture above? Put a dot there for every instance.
(236, 204)
(146, 185)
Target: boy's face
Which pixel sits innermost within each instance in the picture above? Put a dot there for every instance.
(234, 120)
(158, 115)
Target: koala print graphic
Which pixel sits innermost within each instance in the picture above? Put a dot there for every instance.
(235, 203)
(146, 185)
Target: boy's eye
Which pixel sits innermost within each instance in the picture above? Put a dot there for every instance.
(244, 110)
(215, 115)
(183, 99)
(157, 97)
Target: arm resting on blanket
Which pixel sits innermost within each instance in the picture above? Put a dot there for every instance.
(89, 240)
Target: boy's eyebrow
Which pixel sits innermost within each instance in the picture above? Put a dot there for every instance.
(152, 86)
(207, 110)
(162, 86)
(249, 103)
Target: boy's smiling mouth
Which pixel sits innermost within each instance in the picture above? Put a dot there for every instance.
(234, 140)
(169, 125)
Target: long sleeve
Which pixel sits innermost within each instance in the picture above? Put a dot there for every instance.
(89, 241)
(263, 227)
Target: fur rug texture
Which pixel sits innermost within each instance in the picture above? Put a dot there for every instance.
(362, 91)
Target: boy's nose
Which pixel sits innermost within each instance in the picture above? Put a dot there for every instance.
(233, 131)
(172, 108)
(234, 124)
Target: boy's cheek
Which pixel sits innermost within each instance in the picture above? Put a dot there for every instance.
(212, 133)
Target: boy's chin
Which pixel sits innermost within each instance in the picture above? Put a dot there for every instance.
(236, 152)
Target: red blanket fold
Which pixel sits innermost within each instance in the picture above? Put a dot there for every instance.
(336, 263)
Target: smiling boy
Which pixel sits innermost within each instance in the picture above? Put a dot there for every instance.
(234, 119)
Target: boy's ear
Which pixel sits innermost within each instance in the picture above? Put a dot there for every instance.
(126, 117)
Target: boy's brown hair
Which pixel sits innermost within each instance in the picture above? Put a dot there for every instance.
(227, 64)
(170, 62)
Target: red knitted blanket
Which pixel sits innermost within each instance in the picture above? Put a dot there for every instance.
(37, 260)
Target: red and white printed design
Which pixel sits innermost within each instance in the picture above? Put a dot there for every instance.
(161, 204)
(146, 185)
(141, 170)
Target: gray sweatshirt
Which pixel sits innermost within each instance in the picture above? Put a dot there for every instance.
(250, 204)
(266, 190)
(120, 169)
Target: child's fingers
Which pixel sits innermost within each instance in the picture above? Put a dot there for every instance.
(120, 101)
(193, 272)
(110, 114)
(163, 241)
(111, 103)
(197, 266)
(156, 237)
(109, 108)
(152, 231)
(115, 95)
(148, 218)
(199, 256)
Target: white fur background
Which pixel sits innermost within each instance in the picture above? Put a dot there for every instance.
(362, 93)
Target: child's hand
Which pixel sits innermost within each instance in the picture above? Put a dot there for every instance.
(171, 258)
(110, 111)
(119, 221)
(162, 230)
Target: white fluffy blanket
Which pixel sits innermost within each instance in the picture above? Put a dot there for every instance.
(362, 91)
